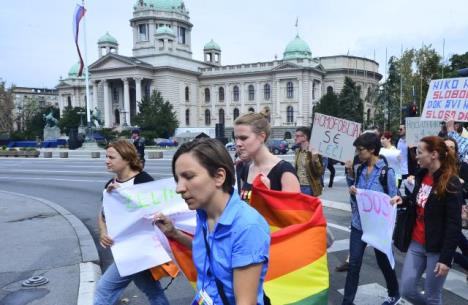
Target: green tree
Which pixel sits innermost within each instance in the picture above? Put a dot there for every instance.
(156, 117)
(351, 105)
(6, 108)
(457, 62)
(70, 118)
(328, 104)
(34, 126)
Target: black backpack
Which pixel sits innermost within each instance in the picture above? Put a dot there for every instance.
(382, 176)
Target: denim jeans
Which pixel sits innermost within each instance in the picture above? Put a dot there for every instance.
(356, 253)
(306, 189)
(111, 285)
(418, 261)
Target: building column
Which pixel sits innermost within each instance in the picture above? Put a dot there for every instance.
(138, 93)
(257, 96)
(227, 99)
(95, 95)
(241, 93)
(107, 108)
(213, 101)
(300, 112)
(126, 95)
(278, 99)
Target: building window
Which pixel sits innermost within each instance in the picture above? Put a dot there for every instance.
(69, 104)
(289, 90)
(187, 117)
(187, 94)
(235, 113)
(266, 92)
(251, 110)
(251, 93)
(182, 35)
(235, 93)
(221, 116)
(221, 94)
(289, 114)
(329, 89)
(143, 32)
(207, 117)
(207, 95)
(313, 90)
(115, 95)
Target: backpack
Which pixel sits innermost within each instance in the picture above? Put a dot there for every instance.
(382, 176)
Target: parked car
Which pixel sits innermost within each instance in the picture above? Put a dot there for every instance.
(231, 146)
(277, 146)
(165, 142)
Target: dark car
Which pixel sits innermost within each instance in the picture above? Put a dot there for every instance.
(278, 146)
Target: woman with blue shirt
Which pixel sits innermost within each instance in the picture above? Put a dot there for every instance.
(231, 242)
(370, 172)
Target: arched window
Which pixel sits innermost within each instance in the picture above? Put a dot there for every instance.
(187, 117)
(235, 94)
(221, 94)
(251, 109)
(289, 114)
(221, 116)
(207, 95)
(235, 113)
(251, 93)
(207, 117)
(329, 89)
(290, 90)
(266, 92)
(287, 135)
(187, 94)
(117, 116)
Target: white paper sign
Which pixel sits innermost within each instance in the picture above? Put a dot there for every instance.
(377, 221)
(333, 137)
(416, 129)
(128, 210)
(447, 99)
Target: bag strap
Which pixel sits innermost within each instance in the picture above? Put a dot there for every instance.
(219, 284)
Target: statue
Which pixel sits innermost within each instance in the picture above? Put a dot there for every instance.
(50, 120)
(95, 117)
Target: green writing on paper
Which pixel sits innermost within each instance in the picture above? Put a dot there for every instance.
(148, 199)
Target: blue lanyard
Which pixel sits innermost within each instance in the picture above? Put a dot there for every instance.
(208, 253)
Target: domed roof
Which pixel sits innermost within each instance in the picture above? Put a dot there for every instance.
(163, 5)
(73, 72)
(297, 48)
(165, 30)
(212, 45)
(107, 38)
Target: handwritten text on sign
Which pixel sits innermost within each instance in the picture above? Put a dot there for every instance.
(377, 221)
(333, 137)
(447, 99)
(417, 129)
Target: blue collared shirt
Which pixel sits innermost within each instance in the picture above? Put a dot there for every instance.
(371, 183)
(241, 237)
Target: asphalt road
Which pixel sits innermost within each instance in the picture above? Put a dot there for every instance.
(77, 184)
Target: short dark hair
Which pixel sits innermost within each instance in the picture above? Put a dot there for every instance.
(136, 131)
(369, 141)
(304, 130)
(212, 155)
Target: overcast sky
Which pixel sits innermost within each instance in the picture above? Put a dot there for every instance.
(36, 40)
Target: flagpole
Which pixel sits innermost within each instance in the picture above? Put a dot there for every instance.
(401, 87)
(88, 100)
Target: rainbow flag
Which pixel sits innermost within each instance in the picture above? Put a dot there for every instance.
(77, 15)
(298, 270)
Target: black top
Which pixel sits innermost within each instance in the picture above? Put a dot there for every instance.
(141, 177)
(140, 147)
(274, 175)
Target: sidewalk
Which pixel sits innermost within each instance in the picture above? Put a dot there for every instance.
(40, 238)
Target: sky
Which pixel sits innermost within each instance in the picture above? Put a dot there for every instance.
(37, 47)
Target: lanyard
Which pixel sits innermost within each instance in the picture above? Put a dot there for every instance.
(208, 254)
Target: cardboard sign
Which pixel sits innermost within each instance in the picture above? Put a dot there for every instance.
(333, 137)
(417, 129)
(377, 221)
(138, 244)
(447, 99)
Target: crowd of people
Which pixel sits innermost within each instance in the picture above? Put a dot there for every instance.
(231, 242)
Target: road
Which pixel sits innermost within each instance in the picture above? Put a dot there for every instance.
(77, 184)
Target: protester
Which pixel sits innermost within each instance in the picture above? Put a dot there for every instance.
(251, 132)
(368, 177)
(455, 131)
(231, 242)
(139, 145)
(391, 154)
(308, 164)
(122, 159)
(437, 223)
(404, 151)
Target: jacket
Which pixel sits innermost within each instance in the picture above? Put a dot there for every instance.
(442, 216)
(314, 171)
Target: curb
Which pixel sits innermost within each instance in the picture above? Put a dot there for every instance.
(89, 266)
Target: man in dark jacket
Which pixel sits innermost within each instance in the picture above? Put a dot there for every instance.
(139, 145)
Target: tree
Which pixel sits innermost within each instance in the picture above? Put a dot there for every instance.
(70, 118)
(6, 108)
(328, 104)
(156, 117)
(351, 105)
(457, 62)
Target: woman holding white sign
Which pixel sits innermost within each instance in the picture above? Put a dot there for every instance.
(436, 225)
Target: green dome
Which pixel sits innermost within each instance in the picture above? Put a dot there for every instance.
(297, 48)
(107, 38)
(212, 45)
(73, 72)
(163, 5)
(165, 30)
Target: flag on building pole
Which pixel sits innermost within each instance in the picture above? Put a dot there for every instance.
(79, 13)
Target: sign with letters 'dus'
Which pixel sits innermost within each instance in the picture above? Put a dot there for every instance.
(333, 137)
(447, 99)
(416, 129)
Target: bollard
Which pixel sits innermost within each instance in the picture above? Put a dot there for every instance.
(155, 155)
(95, 154)
(47, 154)
(64, 154)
